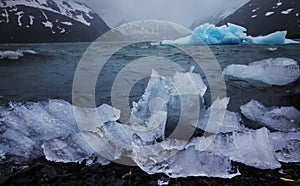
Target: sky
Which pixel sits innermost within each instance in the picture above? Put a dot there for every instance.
(183, 12)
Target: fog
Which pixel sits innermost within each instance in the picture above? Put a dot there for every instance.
(183, 12)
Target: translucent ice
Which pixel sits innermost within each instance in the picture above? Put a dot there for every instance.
(191, 162)
(49, 124)
(250, 147)
(273, 71)
(227, 34)
(285, 119)
(229, 123)
(180, 95)
(286, 146)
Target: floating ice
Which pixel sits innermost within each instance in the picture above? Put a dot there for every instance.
(227, 34)
(285, 119)
(15, 54)
(274, 71)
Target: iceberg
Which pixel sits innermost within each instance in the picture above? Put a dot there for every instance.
(227, 34)
(284, 119)
(273, 71)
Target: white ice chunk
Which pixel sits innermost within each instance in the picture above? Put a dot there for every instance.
(286, 146)
(51, 124)
(169, 94)
(191, 162)
(230, 121)
(285, 119)
(274, 71)
(250, 147)
(72, 148)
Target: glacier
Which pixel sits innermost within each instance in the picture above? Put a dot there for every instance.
(227, 34)
(49, 128)
(273, 71)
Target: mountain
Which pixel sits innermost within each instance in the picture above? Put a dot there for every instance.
(48, 21)
(212, 19)
(262, 17)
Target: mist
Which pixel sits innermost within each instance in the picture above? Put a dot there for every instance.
(183, 12)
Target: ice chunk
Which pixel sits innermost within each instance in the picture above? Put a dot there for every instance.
(273, 71)
(180, 95)
(250, 147)
(286, 146)
(27, 127)
(285, 119)
(229, 123)
(227, 34)
(15, 54)
(72, 148)
(191, 162)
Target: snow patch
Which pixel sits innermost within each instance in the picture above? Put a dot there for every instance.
(71, 9)
(67, 23)
(269, 13)
(31, 18)
(20, 15)
(286, 12)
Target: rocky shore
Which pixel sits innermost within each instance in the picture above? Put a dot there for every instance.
(43, 172)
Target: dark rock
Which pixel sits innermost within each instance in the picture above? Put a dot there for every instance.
(34, 21)
(264, 17)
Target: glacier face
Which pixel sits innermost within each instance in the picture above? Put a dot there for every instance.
(50, 128)
(273, 71)
(227, 34)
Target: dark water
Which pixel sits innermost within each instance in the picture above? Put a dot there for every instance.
(49, 73)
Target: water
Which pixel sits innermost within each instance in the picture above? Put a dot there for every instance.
(49, 73)
(37, 118)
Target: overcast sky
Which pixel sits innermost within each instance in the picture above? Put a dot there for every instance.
(183, 12)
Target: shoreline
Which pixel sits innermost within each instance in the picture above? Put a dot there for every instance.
(43, 172)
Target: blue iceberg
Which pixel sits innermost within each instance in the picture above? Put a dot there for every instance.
(227, 34)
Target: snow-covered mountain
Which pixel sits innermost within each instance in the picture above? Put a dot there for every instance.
(262, 17)
(48, 21)
(212, 19)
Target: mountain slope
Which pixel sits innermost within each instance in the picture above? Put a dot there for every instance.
(48, 21)
(262, 17)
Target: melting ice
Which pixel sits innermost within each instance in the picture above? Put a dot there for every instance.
(273, 71)
(227, 34)
(49, 128)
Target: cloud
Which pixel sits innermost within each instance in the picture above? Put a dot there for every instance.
(183, 12)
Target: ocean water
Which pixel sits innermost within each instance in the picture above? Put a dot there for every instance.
(37, 117)
(49, 72)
